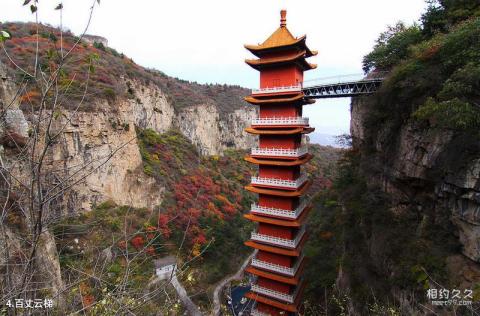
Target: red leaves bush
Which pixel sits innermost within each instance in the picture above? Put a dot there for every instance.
(137, 242)
(198, 196)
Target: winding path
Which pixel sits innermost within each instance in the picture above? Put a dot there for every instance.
(225, 281)
(182, 293)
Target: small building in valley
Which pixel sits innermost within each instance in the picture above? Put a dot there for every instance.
(165, 267)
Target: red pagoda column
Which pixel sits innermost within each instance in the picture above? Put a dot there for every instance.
(280, 183)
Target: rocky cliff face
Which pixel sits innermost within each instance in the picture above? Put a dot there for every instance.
(92, 137)
(433, 171)
(211, 133)
(105, 141)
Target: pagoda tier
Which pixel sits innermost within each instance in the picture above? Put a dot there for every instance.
(281, 183)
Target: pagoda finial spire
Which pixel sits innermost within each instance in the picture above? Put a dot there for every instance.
(283, 18)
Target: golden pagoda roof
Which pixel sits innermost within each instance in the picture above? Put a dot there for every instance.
(281, 39)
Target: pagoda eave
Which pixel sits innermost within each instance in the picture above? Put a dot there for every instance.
(293, 308)
(300, 61)
(273, 302)
(278, 220)
(277, 157)
(272, 276)
(299, 192)
(294, 280)
(290, 163)
(274, 60)
(260, 50)
(278, 126)
(274, 187)
(258, 245)
(274, 249)
(290, 131)
(298, 98)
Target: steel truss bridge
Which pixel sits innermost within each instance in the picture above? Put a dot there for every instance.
(341, 86)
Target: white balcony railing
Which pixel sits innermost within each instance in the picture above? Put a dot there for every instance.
(280, 152)
(291, 184)
(256, 312)
(295, 88)
(280, 212)
(282, 242)
(268, 292)
(276, 267)
(269, 121)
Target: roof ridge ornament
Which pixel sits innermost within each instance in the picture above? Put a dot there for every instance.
(283, 18)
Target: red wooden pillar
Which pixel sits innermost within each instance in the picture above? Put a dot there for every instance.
(280, 183)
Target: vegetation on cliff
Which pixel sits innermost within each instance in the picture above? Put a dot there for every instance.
(95, 72)
(373, 255)
(434, 69)
(363, 250)
(106, 256)
(200, 221)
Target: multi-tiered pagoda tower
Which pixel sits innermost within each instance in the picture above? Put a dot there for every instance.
(281, 185)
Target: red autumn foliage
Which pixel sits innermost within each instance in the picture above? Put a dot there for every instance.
(31, 96)
(150, 236)
(163, 220)
(200, 239)
(150, 250)
(88, 300)
(150, 229)
(137, 242)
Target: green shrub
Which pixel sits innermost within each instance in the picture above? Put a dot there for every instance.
(392, 47)
(109, 204)
(109, 94)
(451, 114)
(148, 170)
(99, 45)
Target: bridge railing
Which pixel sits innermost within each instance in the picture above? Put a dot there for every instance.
(324, 81)
(341, 79)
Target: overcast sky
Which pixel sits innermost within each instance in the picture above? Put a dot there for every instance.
(203, 40)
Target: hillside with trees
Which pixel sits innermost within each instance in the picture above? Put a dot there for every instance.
(401, 218)
(95, 69)
(94, 192)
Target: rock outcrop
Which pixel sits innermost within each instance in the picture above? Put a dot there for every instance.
(428, 169)
(105, 141)
(211, 133)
